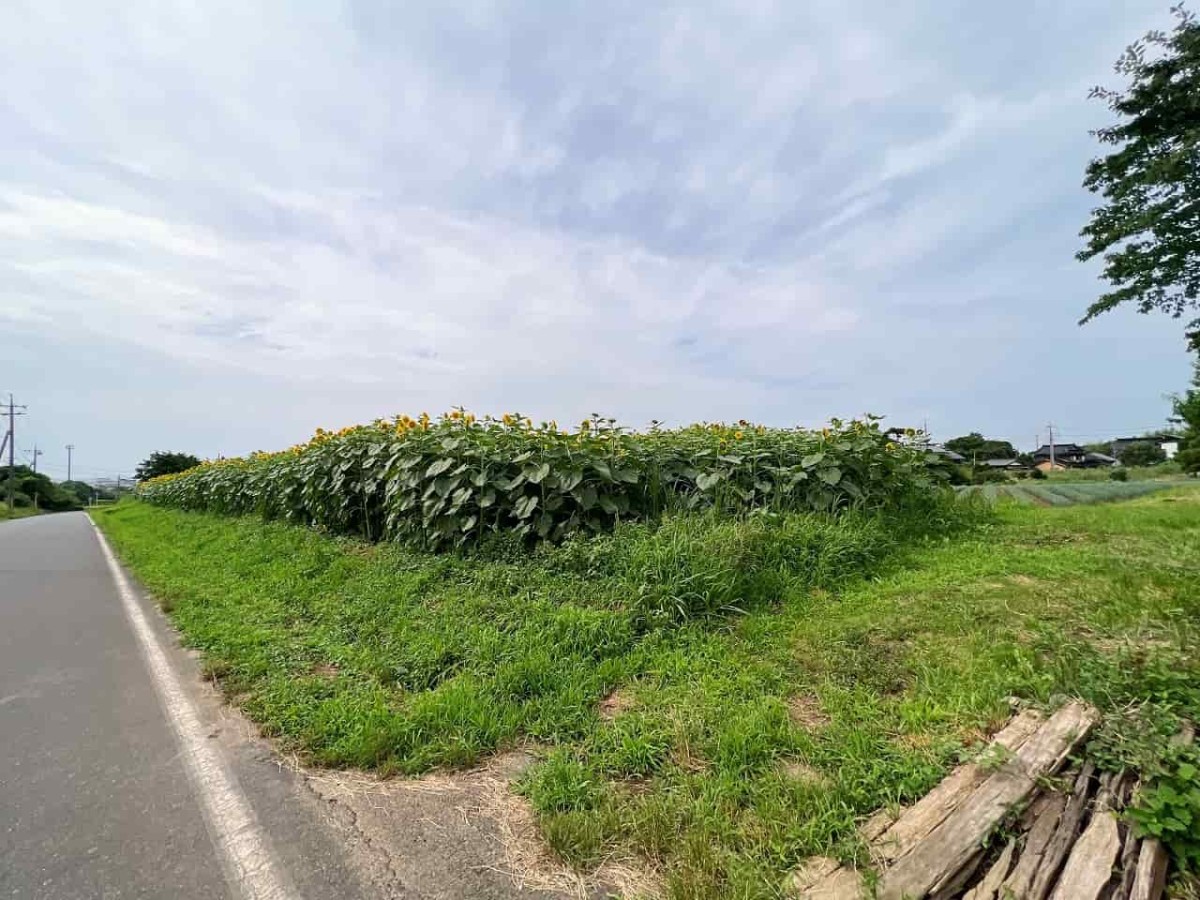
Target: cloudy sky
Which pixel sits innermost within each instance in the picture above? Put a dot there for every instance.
(225, 224)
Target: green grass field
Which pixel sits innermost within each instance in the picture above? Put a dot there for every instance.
(19, 512)
(838, 667)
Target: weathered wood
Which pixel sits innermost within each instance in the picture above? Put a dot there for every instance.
(952, 885)
(1129, 852)
(1064, 836)
(1151, 877)
(1089, 868)
(989, 885)
(1016, 885)
(953, 842)
(916, 823)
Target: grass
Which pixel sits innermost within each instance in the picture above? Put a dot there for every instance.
(19, 512)
(719, 700)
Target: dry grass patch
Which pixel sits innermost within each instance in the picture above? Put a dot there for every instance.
(806, 711)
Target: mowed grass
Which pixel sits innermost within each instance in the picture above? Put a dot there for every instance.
(18, 512)
(845, 666)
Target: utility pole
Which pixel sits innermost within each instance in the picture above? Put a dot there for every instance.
(36, 454)
(11, 440)
(1051, 427)
(70, 447)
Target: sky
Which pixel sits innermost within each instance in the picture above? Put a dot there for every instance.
(223, 225)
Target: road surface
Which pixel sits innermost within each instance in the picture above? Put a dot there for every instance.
(122, 774)
(99, 796)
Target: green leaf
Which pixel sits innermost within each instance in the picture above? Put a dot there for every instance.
(525, 506)
(811, 460)
(535, 474)
(437, 467)
(830, 476)
(708, 480)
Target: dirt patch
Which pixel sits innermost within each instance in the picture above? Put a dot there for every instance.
(802, 773)
(325, 670)
(477, 822)
(1024, 580)
(806, 712)
(615, 704)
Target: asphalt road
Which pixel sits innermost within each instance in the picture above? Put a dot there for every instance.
(99, 794)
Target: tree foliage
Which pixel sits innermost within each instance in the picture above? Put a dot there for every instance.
(1148, 228)
(32, 488)
(165, 462)
(1187, 415)
(1142, 453)
(976, 446)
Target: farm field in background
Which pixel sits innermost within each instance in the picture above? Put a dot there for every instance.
(1053, 492)
(712, 697)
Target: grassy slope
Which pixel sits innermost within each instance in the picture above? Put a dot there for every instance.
(736, 749)
(19, 512)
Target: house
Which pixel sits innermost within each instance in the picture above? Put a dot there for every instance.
(1005, 465)
(956, 458)
(1069, 456)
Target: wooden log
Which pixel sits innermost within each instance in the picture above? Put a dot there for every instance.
(951, 844)
(915, 823)
(1151, 877)
(1016, 885)
(1064, 836)
(1089, 867)
(952, 885)
(990, 885)
(1129, 855)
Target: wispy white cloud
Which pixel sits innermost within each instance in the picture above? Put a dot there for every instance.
(757, 208)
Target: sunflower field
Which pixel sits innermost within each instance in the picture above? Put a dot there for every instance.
(455, 480)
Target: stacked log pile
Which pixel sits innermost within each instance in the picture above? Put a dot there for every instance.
(1018, 823)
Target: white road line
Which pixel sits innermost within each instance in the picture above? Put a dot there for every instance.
(244, 851)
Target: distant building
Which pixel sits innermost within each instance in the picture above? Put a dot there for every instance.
(1070, 456)
(956, 458)
(1005, 465)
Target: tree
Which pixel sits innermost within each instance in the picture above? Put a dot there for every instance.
(1142, 453)
(32, 488)
(1148, 229)
(975, 446)
(1187, 415)
(165, 463)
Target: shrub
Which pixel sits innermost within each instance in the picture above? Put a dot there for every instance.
(1118, 475)
(1036, 473)
(458, 480)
